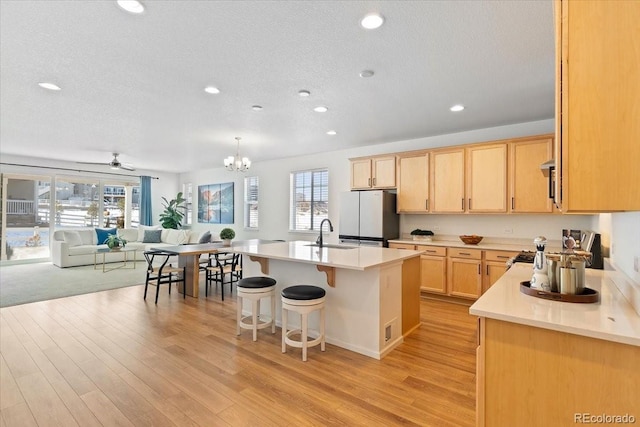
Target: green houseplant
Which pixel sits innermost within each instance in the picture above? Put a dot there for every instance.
(227, 234)
(173, 212)
(115, 243)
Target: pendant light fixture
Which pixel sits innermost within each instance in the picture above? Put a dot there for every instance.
(237, 163)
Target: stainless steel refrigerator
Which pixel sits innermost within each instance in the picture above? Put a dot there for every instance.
(368, 218)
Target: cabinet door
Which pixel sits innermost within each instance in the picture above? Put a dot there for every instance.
(464, 278)
(401, 246)
(413, 184)
(493, 270)
(487, 178)
(384, 172)
(529, 187)
(433, 274)
(447, 181)
(599, 105)
(361, 173)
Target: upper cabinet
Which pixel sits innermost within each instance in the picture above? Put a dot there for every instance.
(413, 183)
(373, 172)
(528, 187)
(447, 181)
(597, 106)
(487, 178)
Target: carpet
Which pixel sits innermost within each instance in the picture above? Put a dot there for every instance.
(25, 283)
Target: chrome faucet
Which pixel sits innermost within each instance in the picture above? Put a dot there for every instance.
(319, 239)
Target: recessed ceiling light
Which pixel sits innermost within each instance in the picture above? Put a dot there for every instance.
(131, 6)
(256, 107)
(366, 73)
(304, 93)
(331, 132)
(457, 108)
(321, 109)
(49, 86)
(372, 21)
(211, 89)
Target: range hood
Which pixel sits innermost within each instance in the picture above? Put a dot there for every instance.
(547, 166)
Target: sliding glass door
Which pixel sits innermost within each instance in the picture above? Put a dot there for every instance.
(25, 218)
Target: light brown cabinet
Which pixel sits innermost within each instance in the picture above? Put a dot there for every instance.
(528, 186)
(486, 178)
(413, 183)
(494, 266)
(433, 269)
(464, 277)
(447, 181)
(373, 173)
(597, 106)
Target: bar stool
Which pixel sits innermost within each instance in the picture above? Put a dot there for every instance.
(254, 289)
(302, 299)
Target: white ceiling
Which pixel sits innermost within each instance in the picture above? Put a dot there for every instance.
(134, 83)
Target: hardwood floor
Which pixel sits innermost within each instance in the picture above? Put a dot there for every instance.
(111, 358)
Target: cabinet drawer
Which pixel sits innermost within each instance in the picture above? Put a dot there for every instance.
(465, 253)
(432, 250)
(401, 246)
(499, 255)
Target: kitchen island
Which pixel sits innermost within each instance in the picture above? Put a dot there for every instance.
(543, 362)
(373, 294)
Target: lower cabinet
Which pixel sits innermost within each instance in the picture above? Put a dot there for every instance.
(464, 272)
(459, 272)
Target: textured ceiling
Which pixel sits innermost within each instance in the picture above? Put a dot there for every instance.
(134, 83)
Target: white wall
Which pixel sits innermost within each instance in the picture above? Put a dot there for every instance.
(625, 242)
(274, 186)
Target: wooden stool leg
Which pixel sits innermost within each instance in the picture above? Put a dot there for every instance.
(273, 314)
(303, 326)
(255, 304)
(284, 329)
(239, 315)
(322, 328)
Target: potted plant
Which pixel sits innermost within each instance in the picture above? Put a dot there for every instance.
(114, 242)
(173, 212)
(227, 234)
(422, 234)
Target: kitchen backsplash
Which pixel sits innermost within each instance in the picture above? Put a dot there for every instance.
(499, 226)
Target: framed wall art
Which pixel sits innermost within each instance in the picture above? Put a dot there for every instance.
(215, 203)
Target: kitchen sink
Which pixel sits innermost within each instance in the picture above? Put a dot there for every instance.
(315, 245)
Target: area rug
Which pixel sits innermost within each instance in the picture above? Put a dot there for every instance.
(24, 283)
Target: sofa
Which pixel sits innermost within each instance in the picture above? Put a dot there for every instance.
(77, 246)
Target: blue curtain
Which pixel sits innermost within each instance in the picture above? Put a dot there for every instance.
(146, 218)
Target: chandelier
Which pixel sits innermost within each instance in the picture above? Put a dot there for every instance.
(237, 163)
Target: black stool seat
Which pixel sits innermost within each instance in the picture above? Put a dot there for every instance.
(303, 292)
(256, 282)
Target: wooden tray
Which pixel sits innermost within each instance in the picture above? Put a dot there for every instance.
(588, 295)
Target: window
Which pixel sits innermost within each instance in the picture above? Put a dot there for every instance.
(187, 193)
(251, 202)
(309, 199)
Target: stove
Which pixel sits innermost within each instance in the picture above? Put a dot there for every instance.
(526, 257)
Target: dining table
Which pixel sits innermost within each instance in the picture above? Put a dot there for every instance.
(189, 257)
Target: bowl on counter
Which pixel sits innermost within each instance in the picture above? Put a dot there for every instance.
(471, 239)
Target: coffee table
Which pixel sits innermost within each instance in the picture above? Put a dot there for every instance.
(125, 263)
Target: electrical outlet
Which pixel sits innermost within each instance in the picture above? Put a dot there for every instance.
(508, 230)
(436, 228)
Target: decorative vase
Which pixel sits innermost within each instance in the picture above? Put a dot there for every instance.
(226, 242)
(115, 248)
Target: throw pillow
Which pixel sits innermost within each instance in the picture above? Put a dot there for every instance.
(142, 228)
(72, 238)
(103, 233)
(128, 234)
(152, 236)
(205, 238)
(88, 237)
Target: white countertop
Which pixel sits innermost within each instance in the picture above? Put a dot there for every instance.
(485, 246)
(355, 258)
(611, 319)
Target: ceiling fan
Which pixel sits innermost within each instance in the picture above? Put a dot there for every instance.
(114, 164)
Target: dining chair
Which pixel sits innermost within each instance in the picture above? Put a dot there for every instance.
(221, 266)
(160, 271)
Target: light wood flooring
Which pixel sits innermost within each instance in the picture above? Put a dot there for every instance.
(112, 359)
